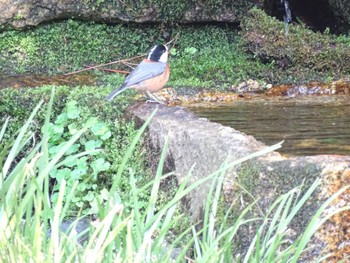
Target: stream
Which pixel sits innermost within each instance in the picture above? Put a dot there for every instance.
(309, 125)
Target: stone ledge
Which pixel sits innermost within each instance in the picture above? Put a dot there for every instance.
(200, 145)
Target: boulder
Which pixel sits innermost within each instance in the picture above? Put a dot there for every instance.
(24, 13)
(199, 146)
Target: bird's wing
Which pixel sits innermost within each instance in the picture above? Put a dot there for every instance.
(144, 71)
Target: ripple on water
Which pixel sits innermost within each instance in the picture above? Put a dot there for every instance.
(309, 125)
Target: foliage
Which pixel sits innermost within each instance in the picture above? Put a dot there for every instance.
(76, 169)
(72, 110)
(31, 226)
(70, 45)
(299, 55)
(206, 55)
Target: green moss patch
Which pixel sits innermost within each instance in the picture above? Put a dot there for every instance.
(210, 56)
(297, 53)
(206, 56)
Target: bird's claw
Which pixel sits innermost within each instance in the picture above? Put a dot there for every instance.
(155, 101)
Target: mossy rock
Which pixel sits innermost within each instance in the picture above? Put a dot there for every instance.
(20, 14)
(300, 52)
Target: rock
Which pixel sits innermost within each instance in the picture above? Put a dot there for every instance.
(77, 230)
(23, 13)
(195, 144)
(200, 146)
(341, 10)
(249, 86)
(265, 37)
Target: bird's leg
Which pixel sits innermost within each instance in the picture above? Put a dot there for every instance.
(153, 98)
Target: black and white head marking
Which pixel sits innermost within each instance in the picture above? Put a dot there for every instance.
(158, 53)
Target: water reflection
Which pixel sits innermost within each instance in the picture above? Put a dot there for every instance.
(24, 81)
(310, 125)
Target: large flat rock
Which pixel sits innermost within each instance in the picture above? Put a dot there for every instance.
(200, 146)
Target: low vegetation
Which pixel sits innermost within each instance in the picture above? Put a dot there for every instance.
(77, 158)
(31, 217)
(297, 53)
(211, 56)
(70, 45)
(73, 109)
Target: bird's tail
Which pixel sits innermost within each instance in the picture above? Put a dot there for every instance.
(116, 92)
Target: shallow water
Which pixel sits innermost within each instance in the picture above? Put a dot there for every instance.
(24, 81)
(309, 125)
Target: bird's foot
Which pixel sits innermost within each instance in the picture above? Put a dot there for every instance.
(153, 98)
(155, 101)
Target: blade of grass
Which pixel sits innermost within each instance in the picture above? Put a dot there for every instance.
(16, 146)
(129, 151)
(3, 128)
(316, 222)
(156, 184)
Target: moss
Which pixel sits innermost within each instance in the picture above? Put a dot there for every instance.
(210, 56)
(299, 55)
(170, 11)
(207, 56)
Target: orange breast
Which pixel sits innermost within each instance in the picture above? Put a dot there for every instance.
(154, 84)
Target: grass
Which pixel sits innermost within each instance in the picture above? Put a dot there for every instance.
(71, 111)
(30, 223)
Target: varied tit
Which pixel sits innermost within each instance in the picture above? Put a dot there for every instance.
(150, 75)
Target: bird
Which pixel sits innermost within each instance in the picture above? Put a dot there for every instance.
(149, 76)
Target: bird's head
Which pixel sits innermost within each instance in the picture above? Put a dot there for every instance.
(158, 53)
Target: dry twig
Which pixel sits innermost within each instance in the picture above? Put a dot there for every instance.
(102, 65)
(123, 61)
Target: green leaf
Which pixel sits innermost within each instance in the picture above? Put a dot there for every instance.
(79, 204)
(174, 51)
(58, 129)
(100, 165)
(74, 148)
(104, 194)
(91, 121)
(53, 173)
(77, 173)
(62, 119)
(81, 187)
(92, 145)
(70, 161)
(89, 197)
(101, 129)
(106, 136)
(73, 128)
(82, 163)
(63, 174)
(72, 111)
(190, 50)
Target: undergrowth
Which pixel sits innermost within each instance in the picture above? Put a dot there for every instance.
(73, 109)
(210, 56)
(297, 53)
(206, 56)
(32, 224)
